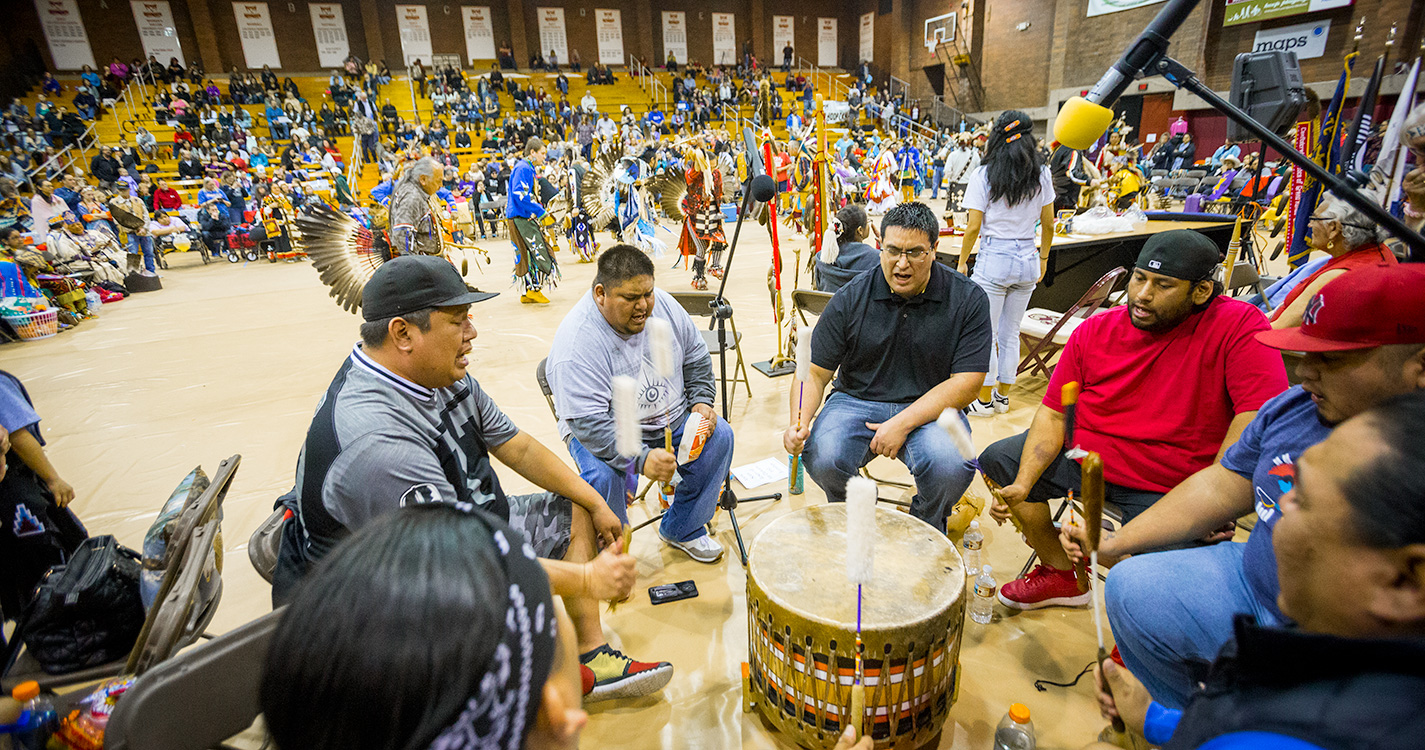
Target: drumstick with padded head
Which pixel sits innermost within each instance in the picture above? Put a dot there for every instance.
(628, 438)
(860, 568)
(803, 375)
(1091, 481)
(660, 348)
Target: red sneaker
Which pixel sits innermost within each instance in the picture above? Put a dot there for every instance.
(610, 674)
(1043, 587)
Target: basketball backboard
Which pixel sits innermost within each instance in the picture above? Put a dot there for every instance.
(939, 30)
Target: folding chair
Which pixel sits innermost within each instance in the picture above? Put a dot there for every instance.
(697, 304)
(808, 301)
(199, 698)
(1244, 276)
(542, 379)
(1111, 513)
(1045, 332)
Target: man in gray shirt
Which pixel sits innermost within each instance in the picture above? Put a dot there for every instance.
(605, 336)
(403, 423)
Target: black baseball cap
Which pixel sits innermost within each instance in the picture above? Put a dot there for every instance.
(1181, 254)
(415, 282)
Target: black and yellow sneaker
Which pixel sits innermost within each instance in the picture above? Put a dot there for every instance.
(609, 674)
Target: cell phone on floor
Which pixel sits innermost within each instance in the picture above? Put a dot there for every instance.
(672, 592)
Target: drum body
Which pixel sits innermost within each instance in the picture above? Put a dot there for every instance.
(802, 628)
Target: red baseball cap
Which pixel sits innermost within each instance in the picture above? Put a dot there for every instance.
(1368, 307)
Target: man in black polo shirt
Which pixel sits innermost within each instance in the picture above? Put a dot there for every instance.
(909, 342)
(403, 423)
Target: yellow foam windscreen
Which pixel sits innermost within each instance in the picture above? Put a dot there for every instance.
(1081, 122)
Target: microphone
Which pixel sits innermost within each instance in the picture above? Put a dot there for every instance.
(754, 156)
(761, 187)
(1083, 119)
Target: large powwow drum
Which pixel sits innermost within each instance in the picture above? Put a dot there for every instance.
(802, 628)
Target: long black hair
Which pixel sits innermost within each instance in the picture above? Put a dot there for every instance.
(1012, 159)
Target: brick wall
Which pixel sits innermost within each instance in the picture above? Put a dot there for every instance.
(1015, 64)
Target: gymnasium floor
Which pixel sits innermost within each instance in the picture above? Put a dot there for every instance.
(231, 359)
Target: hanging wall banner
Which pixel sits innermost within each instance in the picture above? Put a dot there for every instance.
(1249, 11)
(724, 39)
(1100, 7)
(64, 30)
(329, 27)
(1307, 40)
(259, 45)
(411, 21)
(826, 42)
(479, 33)
(675, 35)
(609, 25)
(156, 30)
(868, 35)
(784, 32)
(551, 33)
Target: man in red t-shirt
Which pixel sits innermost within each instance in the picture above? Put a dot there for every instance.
(1168, 382)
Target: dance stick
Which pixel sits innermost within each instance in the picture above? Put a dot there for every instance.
(660, 345)
(1092, 493)
(803, 375)
(1069, 397)
(628, 438)
(860, 567)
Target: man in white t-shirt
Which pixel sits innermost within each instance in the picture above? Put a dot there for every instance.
(605, 336)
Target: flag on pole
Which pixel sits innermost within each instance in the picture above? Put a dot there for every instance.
(1355, 145)
(1326, 154)
(1392, 156)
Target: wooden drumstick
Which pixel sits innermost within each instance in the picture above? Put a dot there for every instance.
(1092, 488)
(627, 540)
(860, 567)
(803, 375)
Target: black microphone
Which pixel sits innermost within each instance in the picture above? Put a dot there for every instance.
(1083, 119)
(754, 156)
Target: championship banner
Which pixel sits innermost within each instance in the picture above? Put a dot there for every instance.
(551, 33)
(675, 35)
(868, 36)
(1251, 11)
(1302, 142)
(329, 27)
(826, 42)
(783, 33)
(259, 44)
(64, 31)
(724, 39)
(479, 33)
(159, 36)
(609, 26)
(1100, 7)
(414, 28)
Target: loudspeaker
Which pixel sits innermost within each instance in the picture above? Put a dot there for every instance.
(1267, 86)
(936, 75)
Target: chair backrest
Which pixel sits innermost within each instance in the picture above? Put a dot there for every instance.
(1196, 174)
(1243, 274)
(810, 301)
(1094, 297)
(1275, 186)
(1160, 173)
(543, 380)
(697, 304)
(199, 698)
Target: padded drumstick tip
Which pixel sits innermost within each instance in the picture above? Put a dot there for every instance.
(629, 435)
(860, 530)
(804, 357)
(951, 422)
(660, 345)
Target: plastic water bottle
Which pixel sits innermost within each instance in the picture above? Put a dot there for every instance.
(1015, 730)
(982, 606)
(973, 541)
(38, 717)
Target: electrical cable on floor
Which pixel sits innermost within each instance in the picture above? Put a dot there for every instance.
(1040, 685)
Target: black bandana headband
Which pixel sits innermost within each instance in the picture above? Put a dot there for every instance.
(503, 708)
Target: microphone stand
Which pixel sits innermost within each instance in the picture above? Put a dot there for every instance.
(721, 313)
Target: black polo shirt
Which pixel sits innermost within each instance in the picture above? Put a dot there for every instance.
(893, 349)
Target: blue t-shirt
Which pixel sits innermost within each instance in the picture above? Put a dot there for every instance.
(16, 412)
(1266, 454)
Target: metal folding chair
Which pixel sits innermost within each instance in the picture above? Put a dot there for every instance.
(697, 305)
(1045, 332)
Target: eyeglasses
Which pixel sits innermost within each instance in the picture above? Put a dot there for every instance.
(913, 254)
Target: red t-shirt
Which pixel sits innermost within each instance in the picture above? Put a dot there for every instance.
(1156, 406)
(1367, 255)
(167, 199)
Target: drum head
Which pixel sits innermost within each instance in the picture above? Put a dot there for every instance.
(799, 560)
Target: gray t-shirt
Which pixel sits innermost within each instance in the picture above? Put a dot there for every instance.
(588, 353)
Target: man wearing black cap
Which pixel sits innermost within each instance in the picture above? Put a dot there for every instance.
(1168, 382)
(403, 423)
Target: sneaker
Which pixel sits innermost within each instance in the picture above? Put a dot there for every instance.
(609, 674)
(1043, 587)
(1000, 403)
(704, 549)
(978, 408)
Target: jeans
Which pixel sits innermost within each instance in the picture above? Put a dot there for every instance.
(1008, 271)
(1000, 462)
(1171, 612)
(143, 245)
(695, 499)
(937, 176)
(840, 444)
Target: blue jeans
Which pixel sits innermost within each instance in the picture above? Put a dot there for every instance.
(937, 176)
(143, 245)
(1171, 612)
(1008, 271)
(840, 444)
(695, 499)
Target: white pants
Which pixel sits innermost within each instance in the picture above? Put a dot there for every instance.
(1008, 271)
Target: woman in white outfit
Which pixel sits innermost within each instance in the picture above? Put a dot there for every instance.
(1010, 191)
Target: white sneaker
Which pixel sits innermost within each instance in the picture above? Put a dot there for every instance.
(1000, 403)
(704, 549)
(978, 408)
